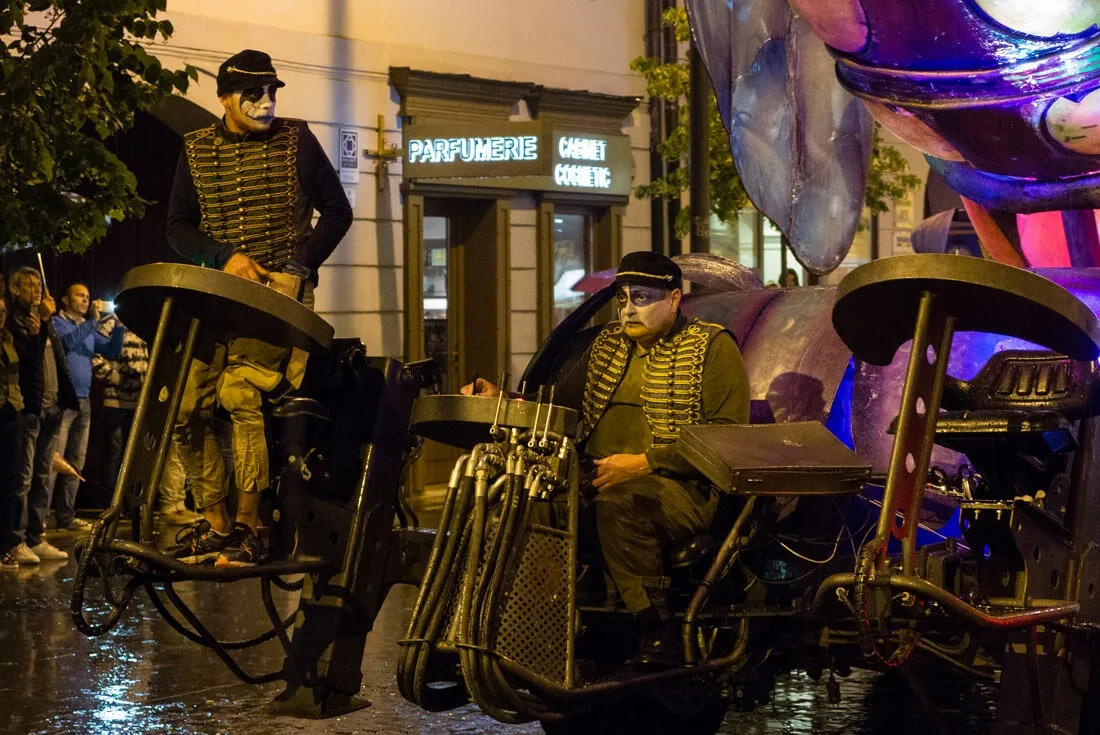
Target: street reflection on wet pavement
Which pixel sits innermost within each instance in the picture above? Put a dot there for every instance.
(144, 677)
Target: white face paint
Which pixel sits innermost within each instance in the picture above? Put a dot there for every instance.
(646, 312)
(251, 110)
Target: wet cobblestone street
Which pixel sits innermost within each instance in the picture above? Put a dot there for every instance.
(144, 677)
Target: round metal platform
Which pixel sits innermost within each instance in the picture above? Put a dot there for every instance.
(228, 304)
(464, 421)
(877, 303)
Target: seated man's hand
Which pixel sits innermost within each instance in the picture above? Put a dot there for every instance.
(241, 265)
(480, 387)
(618, 468)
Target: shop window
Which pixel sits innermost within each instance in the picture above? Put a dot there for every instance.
(435, 293)
(753, 241)
(572, 248)
(735, 240)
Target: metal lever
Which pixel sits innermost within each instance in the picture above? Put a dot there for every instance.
(535, 424)
(495, 428)
(546, 427)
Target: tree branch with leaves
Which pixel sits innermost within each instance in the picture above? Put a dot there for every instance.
(73, 74)
(889, 178)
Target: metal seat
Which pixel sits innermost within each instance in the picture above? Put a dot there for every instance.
(174, 308)
(877, 305)
(926, 298)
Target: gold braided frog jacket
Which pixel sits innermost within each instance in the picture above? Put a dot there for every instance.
(248, 191)
(672, 392)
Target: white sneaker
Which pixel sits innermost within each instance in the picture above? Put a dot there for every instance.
(78, 524)
(24, 555)
(46, 551)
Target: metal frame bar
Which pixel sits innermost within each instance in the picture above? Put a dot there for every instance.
(920, 404)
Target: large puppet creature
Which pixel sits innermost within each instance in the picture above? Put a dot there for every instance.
(1003, 97)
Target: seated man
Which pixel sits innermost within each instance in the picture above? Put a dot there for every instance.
(648, 375)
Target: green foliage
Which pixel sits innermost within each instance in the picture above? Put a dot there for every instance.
(72, 74)
(888, 179)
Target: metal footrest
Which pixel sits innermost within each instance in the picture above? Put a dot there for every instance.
(167, 567)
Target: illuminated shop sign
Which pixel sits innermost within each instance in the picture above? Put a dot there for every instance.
(587, 177)
(583, 149)
(582, 175)
(519, 155)
(476, 150)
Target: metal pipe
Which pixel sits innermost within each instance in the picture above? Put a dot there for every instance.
(138, 422)
(149, 492)
(953, 605)
(699, 153)
(716, 570)
(732, 661)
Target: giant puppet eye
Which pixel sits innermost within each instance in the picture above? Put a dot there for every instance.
(841, 24)
(1048, 18)
(1076, 125)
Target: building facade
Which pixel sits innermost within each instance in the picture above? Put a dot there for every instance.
(488, 150)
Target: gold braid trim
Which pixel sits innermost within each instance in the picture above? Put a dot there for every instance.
(248, 192)
(672, 391)
(606, 368)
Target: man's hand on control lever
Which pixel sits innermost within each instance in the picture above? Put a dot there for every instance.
(480, 387)
(241, 265)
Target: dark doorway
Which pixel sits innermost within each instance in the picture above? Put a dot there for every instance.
(150, 149)
(461, 247)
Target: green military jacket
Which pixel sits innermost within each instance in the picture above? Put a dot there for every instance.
(692, 375)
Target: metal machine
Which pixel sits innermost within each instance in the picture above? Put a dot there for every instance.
(822, 556)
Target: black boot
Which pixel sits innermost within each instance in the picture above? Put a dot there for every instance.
(658, 644)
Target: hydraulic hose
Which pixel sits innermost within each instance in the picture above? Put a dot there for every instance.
(510, 530)
(440, 538)
(467, 654)
(431, 601)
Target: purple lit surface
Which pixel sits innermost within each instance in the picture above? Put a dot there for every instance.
(800, 142)
(1004, 97)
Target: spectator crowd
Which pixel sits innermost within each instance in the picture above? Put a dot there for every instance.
(51, 356)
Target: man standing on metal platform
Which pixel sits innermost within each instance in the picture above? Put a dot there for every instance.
(242, 201)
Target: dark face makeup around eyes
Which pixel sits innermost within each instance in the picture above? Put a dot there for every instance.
(251, 110)
(640, 296)
(255, 94)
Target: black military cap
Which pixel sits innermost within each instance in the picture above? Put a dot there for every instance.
(647, 268)
(247, 69)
